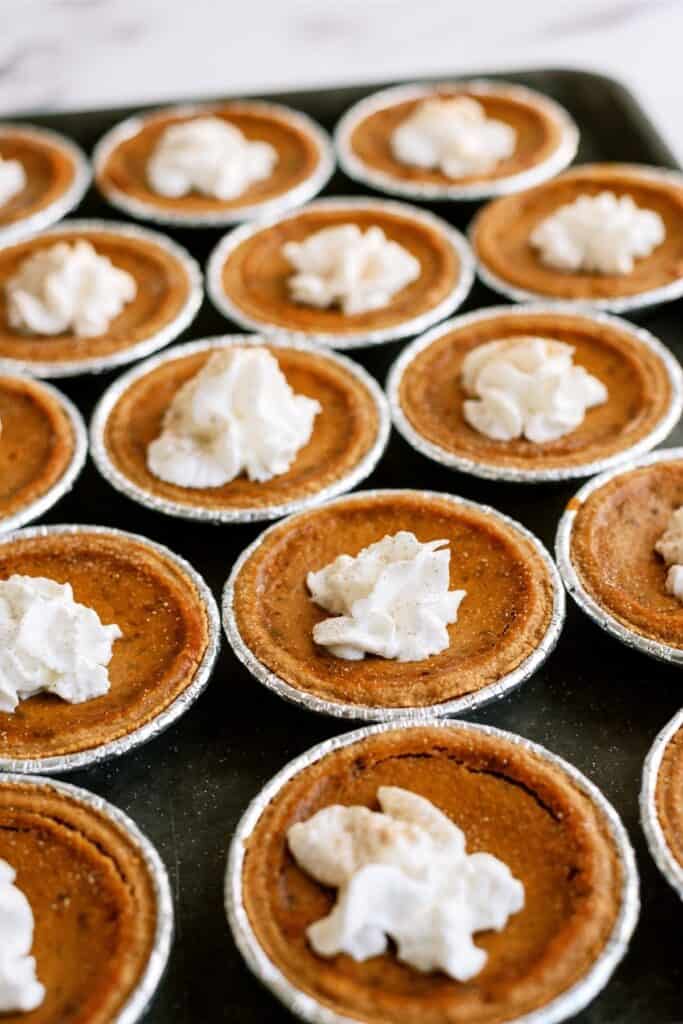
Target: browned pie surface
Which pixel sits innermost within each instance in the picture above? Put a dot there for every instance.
(298, 157)
(343, 432)
(36, 443)
(509, 803)
(502, 231)
(537, 138)
(162, 291)
(92, 898)
(49, 171)
(256, 273)
(164, 639)
(612, 549)
(669, 795)
(432, 395)
(500, 622)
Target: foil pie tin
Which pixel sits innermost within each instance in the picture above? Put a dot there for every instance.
(145, 210)
(183, 510)
(98, 364)
(649, 818)
(140, 998)
(305, 1007)
(428, 191)
(65, 202)
(362, 712)
(519, 474)
(572, 580)
(40, 506)
(620, 304)
(353, 337)
(182, 703)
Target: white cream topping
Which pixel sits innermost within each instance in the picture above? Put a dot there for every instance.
(403, 874)
(527, 387)
(391, 600)
(50, 643)
(670, 547)
(67, 287)
(20, 990)
(600, 234)
(454, 136)
(358, 271)
(238, 414)
(12, 179)
(210, 156)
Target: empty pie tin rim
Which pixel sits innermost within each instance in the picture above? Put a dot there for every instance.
(62, 486)
(62, 204)
(519, 474)
(357, 169)
(363, 712)
(572, 580)
(619, 304)
(306, 1007)
(165, 718)
(362, 469)
(146, 210)
(141, 996)
(97, 364)
(649, 817)
(354, 338)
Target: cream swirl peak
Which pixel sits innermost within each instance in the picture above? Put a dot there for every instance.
(403, 874)
(12, 179)
(20, 990)
(391, 600)
(342, 265)
(237, 414)
(670, 547)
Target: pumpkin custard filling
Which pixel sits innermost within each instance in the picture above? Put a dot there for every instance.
(669, 795)
(92, 898)
(510, 803)
(49, 172)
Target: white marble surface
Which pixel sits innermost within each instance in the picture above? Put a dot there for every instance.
(71, 54)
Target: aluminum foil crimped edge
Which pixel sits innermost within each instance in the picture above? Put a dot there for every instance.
(143, 993)
(121, 482)
(178, 707)
(556, 161)
(363, 712)
(568, 1003)
(350, 338)
(491, 471)
(572, 580)
(649, 818)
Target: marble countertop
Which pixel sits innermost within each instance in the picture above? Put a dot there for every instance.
(77, 54)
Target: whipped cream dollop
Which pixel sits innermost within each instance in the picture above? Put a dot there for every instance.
(345, 266)
(238, 414)
(50, 643)
(527, 387)
(20, 990)
(12, 179)
(391, 600)
(67, 287)
(210, 156)
(403, 874)
(601, 234)
(670, 547)
(453, 135)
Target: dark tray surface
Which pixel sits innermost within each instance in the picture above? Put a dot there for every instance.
(595, 702)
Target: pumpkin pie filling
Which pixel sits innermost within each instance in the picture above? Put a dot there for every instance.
(669, 795)
(509, 802)
(50, 172)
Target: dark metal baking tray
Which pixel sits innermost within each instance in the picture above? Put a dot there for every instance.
(594, 702)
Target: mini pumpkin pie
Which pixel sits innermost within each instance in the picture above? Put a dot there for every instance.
(432, 398)
(455, 140)
(88, 294)
(43, 176)
(342, 272)
(603, 235)
(280, 458)
(495, 626)
(100, 900)
(213, 164)
(147, 626)
(43, 445)
(514, 800)
(661, 801)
